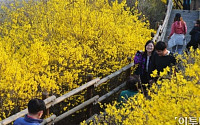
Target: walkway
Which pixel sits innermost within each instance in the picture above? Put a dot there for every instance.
(188, 17)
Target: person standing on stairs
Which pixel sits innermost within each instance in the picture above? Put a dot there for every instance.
(186, 4)
(195, 36)
(177, 35)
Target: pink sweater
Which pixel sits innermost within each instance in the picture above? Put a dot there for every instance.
(178, 27)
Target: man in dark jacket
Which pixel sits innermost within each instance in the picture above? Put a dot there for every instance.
(195, 36)
(161, 59)
(35, 111)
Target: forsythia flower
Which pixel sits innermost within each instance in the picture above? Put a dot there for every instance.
(51, 46)
(171, 98)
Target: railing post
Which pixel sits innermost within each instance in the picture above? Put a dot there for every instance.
(128, 71)
(45, 95)
(90, 92)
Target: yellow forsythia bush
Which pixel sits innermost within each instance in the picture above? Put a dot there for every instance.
(174, 99)
(51, 45)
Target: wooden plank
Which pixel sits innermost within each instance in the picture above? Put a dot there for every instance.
(169, 8)
(84, 104)
(45, 121)
(157, 34)
(23, 112)
(166, 20)
(91, 118)
(114, 74)
(74, 91)
(162, 29)
(111, 92)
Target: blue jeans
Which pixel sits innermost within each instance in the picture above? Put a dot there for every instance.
(177, 48)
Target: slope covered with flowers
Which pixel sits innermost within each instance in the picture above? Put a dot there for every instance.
(52, 45)
(174, 99)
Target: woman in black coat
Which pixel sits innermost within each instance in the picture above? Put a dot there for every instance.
(195, 36)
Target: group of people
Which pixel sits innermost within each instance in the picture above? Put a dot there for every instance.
(158, 57)
(178, 32)
(155, 57)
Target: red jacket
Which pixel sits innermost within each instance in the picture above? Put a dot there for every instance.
(178, 27)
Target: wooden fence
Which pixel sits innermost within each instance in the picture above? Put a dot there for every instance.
(160, 34)
(91, 85)
(51, 101)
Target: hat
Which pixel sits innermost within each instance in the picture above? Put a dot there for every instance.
(178, 15)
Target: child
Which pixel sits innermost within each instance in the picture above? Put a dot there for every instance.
(131, 86)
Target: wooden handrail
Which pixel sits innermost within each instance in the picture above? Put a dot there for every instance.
(74, 91)
(165, 23)
(94, 100)
(96, 82)
(103, 80)
(82, 105)
(47, 120)
(111, 92)
(91, 118)
(162, 28)
(51, 101)
(24, 112)
(157, 34)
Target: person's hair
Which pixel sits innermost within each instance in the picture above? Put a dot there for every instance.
(145, 52)
(131, 83)
(36, 105)
(160, 45)
(178, 17)
(198, 22)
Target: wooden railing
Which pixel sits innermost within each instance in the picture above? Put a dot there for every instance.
(24, 112)
(93, 100)
(160, 34)
(91, 85)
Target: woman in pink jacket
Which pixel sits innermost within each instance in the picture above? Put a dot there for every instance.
(177, 35)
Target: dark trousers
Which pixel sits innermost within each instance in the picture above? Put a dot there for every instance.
(186, 4)
(145, 80)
